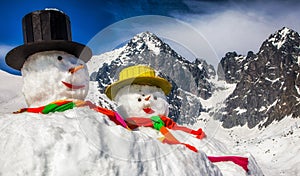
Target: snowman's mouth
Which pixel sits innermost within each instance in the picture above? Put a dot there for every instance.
(148, 110)
(71, 86)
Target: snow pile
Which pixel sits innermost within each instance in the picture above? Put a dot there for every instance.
(11, 97)
(84, 142)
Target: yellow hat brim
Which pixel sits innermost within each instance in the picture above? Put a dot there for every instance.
(113, 89)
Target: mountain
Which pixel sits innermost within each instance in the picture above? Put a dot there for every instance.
(232, 65)
(190, 80)
(267, 83)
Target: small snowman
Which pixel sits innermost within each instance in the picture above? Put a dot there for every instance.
(139, 93)
(52, 65)
(142, 103)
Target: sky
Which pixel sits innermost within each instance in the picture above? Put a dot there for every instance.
(221, 25)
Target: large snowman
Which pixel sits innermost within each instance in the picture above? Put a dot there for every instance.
(52, 65)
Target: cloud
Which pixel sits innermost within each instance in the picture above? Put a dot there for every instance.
(209, 29)
(182, 37)
(242, 26)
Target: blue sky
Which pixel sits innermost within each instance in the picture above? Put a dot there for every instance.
(227, 25)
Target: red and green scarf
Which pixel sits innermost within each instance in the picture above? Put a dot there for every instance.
(63, 105)
(162, 124)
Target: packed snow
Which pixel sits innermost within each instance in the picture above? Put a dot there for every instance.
(84, 142)
(11, 97)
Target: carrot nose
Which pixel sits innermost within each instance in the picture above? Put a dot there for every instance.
(147, 98)
(75, 69)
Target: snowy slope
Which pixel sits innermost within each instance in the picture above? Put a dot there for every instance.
(84, 142)
(11, 98)
(274, 148)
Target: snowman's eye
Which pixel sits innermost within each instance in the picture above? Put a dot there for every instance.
(139, 99)
(59, 58)
(155, 97)
(143, 95)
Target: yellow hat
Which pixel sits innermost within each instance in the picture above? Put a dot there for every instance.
(140, 74)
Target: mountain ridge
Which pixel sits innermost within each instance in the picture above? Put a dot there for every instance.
(189, 79)
(258, 78)
(267, 82)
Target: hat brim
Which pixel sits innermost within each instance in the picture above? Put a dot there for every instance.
(113, 89)
(17, 56)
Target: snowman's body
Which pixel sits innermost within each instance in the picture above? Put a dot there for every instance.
(54, 75)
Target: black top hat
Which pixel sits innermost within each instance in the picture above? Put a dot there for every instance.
(46, 30)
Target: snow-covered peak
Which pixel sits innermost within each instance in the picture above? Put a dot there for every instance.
(279, 38)
(147, 42)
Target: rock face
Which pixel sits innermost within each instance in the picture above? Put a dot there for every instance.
(268, 83)
(189, 80)
(232, 65)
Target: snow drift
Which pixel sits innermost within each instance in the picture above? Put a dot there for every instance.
(83, 142)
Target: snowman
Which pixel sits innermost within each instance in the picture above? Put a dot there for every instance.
(55, 76)
(52, 65)
(139, 93)
(142, 103)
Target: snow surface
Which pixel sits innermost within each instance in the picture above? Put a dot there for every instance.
(11, 97)
(84, 142)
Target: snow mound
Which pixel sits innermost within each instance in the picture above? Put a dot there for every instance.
(11, 98)
(83, 142)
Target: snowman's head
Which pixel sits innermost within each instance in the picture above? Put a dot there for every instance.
(141, 101)
(54, 75)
